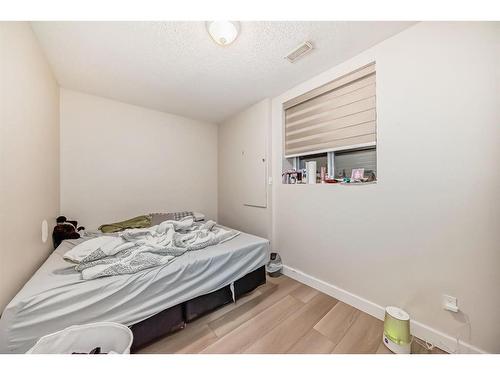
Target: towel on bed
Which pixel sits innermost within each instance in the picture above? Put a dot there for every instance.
(134, 250)
(142, 221)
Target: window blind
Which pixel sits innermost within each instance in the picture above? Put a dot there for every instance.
(337, 116)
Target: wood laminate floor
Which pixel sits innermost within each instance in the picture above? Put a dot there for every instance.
(283, 316)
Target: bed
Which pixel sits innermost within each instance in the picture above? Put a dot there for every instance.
(153, 302)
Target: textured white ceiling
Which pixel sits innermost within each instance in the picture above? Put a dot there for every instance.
(175, 67)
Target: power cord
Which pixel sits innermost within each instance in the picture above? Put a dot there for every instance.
(429, 346)
(467, 325)
(423, 343)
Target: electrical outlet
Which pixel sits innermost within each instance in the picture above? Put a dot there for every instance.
(450, 303)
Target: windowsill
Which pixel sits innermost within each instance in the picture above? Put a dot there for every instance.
(338, 183)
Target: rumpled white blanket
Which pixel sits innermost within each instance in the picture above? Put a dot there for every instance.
(134, 250)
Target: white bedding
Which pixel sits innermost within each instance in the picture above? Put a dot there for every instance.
(57, 297)
(134, 250)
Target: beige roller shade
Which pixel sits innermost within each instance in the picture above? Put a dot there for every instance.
(338, 115)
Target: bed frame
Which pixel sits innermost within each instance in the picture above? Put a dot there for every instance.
(175, 318)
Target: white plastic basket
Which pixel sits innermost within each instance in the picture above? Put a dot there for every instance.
(110, 337)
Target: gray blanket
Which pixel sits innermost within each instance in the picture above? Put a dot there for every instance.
(134, 250)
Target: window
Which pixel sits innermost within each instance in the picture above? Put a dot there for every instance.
(346, 161)
(335, 125)
(320, 159)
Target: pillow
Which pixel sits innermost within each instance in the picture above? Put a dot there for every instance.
(157, 218)
(83, 249)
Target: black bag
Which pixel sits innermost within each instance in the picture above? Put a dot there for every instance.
(65, 230)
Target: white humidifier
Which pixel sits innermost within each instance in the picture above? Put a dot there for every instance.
(396, 334)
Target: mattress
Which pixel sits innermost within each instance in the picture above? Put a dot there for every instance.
(56, 296)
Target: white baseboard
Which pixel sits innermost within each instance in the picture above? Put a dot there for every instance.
(420, 330)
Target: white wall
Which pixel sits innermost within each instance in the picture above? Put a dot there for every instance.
(431, 223)
(120, 160)
(29, 156)
(244, 199)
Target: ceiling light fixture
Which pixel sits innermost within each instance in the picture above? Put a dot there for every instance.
(223, 32)
(299, 51)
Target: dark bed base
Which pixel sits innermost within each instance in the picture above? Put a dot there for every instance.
(176, 317)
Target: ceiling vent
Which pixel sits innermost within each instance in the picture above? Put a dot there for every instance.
(299, 52)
